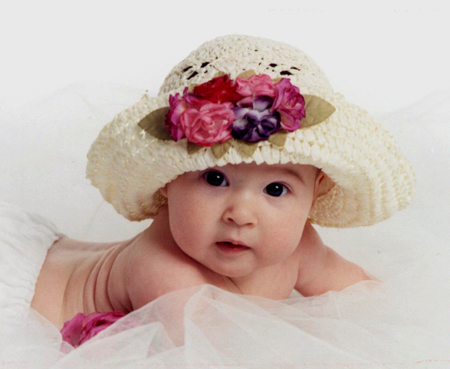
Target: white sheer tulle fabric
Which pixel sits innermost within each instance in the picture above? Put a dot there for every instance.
(401, 322)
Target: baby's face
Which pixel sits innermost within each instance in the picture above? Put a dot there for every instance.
(263, 206)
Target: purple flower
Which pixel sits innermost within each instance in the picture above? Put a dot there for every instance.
(254, 119)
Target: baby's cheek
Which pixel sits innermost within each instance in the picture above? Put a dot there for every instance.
(189, 227)
(287, 235)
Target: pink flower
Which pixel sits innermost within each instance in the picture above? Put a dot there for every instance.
(208, 124)
(177, 107)
(82, 328)
(290, 104)
(199, 120)
(256, 86)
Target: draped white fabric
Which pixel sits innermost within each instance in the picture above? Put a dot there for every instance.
(401, 322)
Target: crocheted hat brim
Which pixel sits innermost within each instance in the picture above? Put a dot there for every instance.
(372, 178)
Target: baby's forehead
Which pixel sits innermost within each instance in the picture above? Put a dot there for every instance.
(268, 168)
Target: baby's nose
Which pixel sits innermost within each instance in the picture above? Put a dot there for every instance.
(242, 211)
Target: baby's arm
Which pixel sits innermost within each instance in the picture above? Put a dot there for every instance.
(326, 270)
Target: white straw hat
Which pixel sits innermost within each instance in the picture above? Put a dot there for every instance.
(370, 178)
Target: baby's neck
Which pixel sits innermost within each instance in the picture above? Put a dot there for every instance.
(312, 260)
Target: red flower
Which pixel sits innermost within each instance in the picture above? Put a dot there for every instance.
(219, 89)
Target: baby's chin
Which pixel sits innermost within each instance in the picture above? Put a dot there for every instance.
(240, 269)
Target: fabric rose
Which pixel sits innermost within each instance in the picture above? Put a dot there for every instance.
(82, 328)
(257, 122)
(208, 125)
(290, 104)
(219, 89)
(256, 86)
(199, 120)
(177, 107)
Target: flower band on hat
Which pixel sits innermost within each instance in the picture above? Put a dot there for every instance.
(251, 108)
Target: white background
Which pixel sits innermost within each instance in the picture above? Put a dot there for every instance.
(381, 54)
(67, 68)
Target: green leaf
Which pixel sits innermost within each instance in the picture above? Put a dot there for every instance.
(246, 148)
(192, 148)
(220, 149)
(246, 74)
(316, 109)
(278, 79)
(219, 74)
(154, 124)
(278, 138)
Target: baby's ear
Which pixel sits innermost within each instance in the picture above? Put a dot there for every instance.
(323, 184)
(163, 190)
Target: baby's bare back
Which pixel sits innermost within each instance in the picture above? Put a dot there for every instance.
(52, 286)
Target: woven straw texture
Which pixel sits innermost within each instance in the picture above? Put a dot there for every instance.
(372, 179)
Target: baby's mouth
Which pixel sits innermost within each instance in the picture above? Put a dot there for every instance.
(228, 246)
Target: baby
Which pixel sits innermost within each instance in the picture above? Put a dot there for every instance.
(234, 173)
(262, 209)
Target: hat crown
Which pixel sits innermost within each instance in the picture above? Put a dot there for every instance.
(234, 54)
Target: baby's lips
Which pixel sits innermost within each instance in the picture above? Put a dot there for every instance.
(234, 242)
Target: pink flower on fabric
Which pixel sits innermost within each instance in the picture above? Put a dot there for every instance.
(208, 125)
(82, 328)
(199, 120)
(256, 86)
(177, 107)
(290, 104)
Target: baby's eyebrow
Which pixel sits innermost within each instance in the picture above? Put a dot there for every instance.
(292, 173)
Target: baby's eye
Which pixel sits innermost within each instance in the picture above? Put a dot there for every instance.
(214, 178)
(276, 189)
